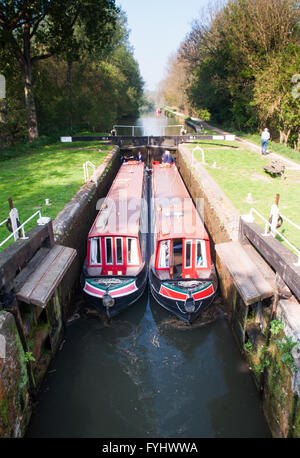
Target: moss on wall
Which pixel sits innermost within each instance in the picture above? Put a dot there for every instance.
(14, 381)
(268, 352)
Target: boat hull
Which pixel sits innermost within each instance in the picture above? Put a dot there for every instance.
(173, 298)
(124, 291)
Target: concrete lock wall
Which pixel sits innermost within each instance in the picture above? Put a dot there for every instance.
(30, 335)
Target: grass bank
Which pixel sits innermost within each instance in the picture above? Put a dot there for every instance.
(274, 147)
(239, 171)
(46, 169)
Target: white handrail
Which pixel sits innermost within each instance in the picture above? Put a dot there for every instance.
(132, 128)
(21, 227)
(3, 222)
(273, 229)
(197, 148)
(86, 171)
(289, 221)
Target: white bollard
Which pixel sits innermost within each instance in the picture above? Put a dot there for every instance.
(249, 198)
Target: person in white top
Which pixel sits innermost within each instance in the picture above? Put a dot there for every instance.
(265, 137)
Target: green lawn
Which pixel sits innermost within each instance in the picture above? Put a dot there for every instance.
(239, 172)
(274, 147)
(31, 174)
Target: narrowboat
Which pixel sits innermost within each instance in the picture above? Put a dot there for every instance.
(182, 275)
(115, 271)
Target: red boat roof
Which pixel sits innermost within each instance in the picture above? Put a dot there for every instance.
(176, 214)
(120, 211)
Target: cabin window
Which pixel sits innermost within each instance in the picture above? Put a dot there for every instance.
(188, 254)
(164, 255)
(108, 251)
(132, 252)
(201, 254)
(95, 251)
(119, 250)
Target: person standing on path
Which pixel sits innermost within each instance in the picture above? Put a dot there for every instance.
(265, 137)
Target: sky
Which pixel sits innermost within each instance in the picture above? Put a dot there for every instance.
(157, 27)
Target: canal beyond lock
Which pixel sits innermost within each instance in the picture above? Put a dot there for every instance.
(146, 374)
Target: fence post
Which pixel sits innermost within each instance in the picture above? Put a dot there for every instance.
(14, 217)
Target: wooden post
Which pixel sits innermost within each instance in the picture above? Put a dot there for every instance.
(51, 234)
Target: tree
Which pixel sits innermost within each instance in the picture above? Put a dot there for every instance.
(175, 84)
(226, 53)
(34, 30)
(274, 95)
(90, 90)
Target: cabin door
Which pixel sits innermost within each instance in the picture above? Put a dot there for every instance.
(113, 249)
(188, 270)
(177, 258)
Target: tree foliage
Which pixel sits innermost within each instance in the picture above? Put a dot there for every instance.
(173, 87)
(239, 59)
(74, 61)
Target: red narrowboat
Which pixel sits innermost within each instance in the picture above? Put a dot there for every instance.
(182, 275)
(115, 272)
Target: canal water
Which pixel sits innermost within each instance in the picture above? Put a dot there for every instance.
(146, 374)
(151, 124)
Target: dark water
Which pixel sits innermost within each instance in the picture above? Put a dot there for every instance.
(147, 374)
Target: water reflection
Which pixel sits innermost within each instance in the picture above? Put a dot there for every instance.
(151, 124)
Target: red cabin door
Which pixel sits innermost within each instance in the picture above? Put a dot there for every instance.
(114, 256)
(188, 264)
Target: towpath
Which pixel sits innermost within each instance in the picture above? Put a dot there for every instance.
(291, 165)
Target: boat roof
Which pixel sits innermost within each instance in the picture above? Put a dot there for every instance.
(176, 214)
(121, 209)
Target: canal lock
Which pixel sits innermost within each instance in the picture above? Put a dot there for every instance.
(70, 229)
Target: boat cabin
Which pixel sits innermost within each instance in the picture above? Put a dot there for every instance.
(115, 242)
(182, 246)
(182, 258)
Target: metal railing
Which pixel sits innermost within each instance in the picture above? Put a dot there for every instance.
(146, 131)
(270, 229)
(86, 166)
(19, 228)
(3, 222)
(131, 127)
(197, 148)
